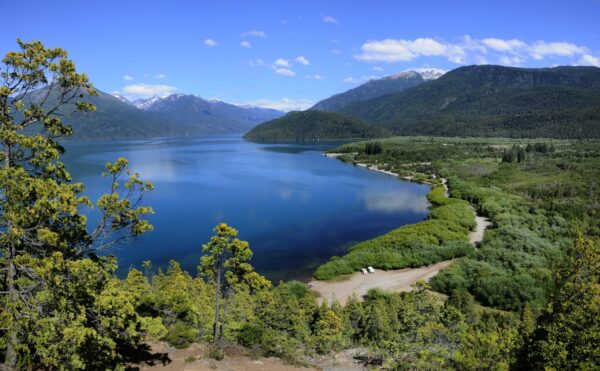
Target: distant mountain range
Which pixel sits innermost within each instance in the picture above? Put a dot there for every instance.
(175, 115)
(486, 100)
(483, 100)
(376, 88)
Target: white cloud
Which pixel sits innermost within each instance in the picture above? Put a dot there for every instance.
(335, 51)
(245, 44)
(541, 49)
(145, 90)
(330, 19)
(128, 77)
(282, 62)
(469, 50)
(285, 72)
(160, 76)
(255, 33)
(210, 43)
(589, 60)
(377, 68)
(390, 50)
(314, 77)
(284, 104)
(302, 60)
(503, 45)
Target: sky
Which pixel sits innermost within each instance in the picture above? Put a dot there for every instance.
(290, 54)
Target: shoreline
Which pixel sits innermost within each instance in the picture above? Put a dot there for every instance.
(395, 280)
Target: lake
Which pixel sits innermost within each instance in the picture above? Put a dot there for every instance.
(296, 207)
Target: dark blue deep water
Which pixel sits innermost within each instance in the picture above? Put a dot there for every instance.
(296, 207)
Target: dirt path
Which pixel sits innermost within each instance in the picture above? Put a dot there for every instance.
(359, 284)
(483, 223)
(195, 358)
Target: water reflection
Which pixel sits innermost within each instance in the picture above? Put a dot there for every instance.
(296, 207)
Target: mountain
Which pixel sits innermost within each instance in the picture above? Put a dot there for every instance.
(117, 118)
(376, 88)
(143, 103)
(211, 116)
(312, 125)
(488, 100)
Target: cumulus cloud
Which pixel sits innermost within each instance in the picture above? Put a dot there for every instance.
(503, 45)
(210, 43)
(541, 49)
(469, 50)
(160, 76)
(302, 60)
(258, 63)
(284, 104)
(245, 44)
(377, 68)
(128, 77)
(255, 33)
(145, 90)
(285, 72)
(282, 62)
(589, 60)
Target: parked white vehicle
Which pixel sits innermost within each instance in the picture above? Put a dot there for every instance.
(363, 270)
(370, 269)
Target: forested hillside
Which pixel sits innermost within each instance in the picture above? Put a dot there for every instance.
(312, 125)
(493, 101)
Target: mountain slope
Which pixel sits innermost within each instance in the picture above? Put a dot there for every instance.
(312, 125)
(493, 101)
(375, 88)
(210, 116)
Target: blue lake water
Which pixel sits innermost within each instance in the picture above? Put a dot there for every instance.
(296, 207)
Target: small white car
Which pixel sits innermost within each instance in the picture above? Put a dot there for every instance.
(370, 270)
(363, 270)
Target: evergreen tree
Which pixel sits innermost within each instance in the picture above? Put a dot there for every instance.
(60, 306)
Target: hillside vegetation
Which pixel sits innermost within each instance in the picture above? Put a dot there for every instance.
(498, 101)
(312, 125)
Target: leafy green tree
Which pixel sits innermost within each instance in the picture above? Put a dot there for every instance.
(568, 331)
(225, 265)
(49, 316)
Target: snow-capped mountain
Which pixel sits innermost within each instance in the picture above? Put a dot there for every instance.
(145, 103)
(430, 74)
(121, 98)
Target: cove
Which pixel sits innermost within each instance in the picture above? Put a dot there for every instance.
(296, 207)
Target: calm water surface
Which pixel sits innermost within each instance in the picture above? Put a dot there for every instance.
(296, 207)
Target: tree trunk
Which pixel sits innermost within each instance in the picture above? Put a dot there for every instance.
(223, 319)
(11, 354)
(217, 297)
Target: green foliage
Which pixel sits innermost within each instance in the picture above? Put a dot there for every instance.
(568, 330)
(61, 307)
(312, 125)
(373, 148)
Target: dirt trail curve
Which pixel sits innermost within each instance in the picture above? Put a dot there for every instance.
(393, 280)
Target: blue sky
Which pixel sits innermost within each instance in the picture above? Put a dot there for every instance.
(290, 54)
